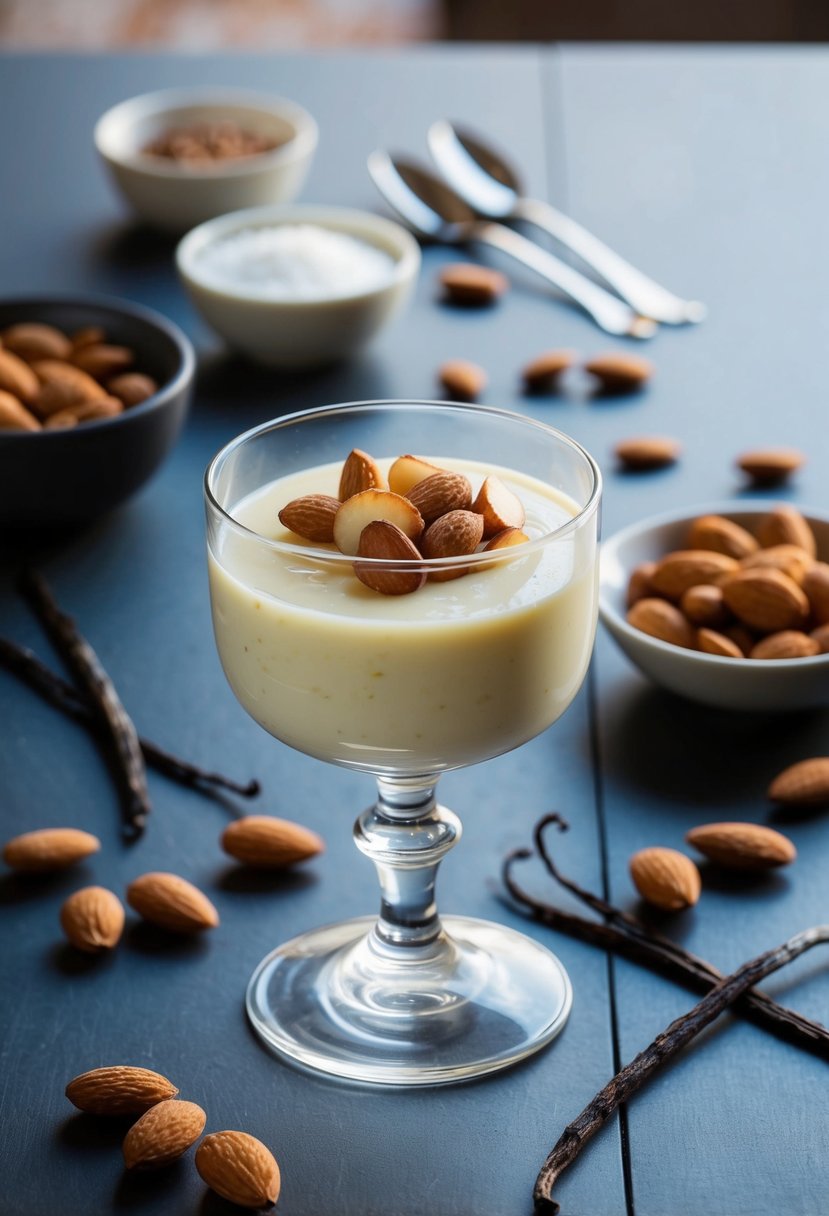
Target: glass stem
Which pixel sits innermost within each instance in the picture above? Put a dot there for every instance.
(407, 834)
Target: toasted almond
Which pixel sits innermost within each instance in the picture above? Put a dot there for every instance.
(85, 411)
(360, 472)
(506, 539)
(61, 387)
(790, 559)
(704, 605)
(722, 536)
(14, 416)
(709, 641)
(382, 540)
(542, 374)
(49, 849)
(120, 1089)
(311, 516)
(267, 843)
(172, 903)
(102, 360)
(765, 600)
(30, 341)
(499, 507)
(663, 621)
(786, 644)
(816, 588)
(647, 452)
(768, 466)
(407, 471)
(619, 373)
(455, 534)
(803, 784)
(92, 919)
(742, 846)
(786, 526)
(821, 636)
(462, 380)
(240, 1168)
(90, 335)
(17, 378)
(665, 878)
(472, 285)
(132, 388)
(639, 583)
(685, 568)
(442, 492)
(362, 509)
(163, 1134)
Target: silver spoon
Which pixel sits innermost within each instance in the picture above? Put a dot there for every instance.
(491, 187)
(435, 212)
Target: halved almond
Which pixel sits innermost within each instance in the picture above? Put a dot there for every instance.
(360, 472)
(311, 516)
(380, 539)
(362, 509)
(442, 492)
(407, 471)
(455, 534)
(498, 506)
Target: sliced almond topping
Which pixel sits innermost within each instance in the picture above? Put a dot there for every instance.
(360, 472)
(362, 509)
(380, 539)
(442, 492)
(498, 506)
(506, 539)
(455, 534)
(311, 516)
(407, 471)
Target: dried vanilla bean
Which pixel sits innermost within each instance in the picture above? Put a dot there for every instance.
(24, 663)
(680, 1032)
(105, 702)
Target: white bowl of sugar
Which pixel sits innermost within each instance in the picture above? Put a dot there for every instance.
(298, 286)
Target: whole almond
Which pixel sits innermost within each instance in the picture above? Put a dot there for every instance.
(647, 452)
(311, 516)
(49, 849)
(789, 559)
(103, 360)
(14, 416)
(17, 378)
(469, 284)
(383, 540)
(30, 340)
(786, 644)
(462, 380)
(542, 374)
(639, 584)
(360, 472)
(665, 878)
(704, 605)
(766, 600)
(172, 903)
(62, 386)
(803, 784)
(120, 1089)
(663, 621)
(722, 535)
(267, 843)
(499, 506)
(709, 641)
(90, 335)
(85, 411)
(742, 846)
(821, 636)
(619, 373)
(770, 466)
(163, 1134)
(816, 588)
(240, 1168)
(786, 526)
(455, 534)
(132, 388)
(440, 493)
(685, 568)
(92, 919)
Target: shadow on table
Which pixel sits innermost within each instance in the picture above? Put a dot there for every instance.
(150, 939)
(242, 880)
(142, 1188)
(92, 1133)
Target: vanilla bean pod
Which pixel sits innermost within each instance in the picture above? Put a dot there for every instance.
(105, 702)
(32, 671)
(665, 958)
(666, 1045)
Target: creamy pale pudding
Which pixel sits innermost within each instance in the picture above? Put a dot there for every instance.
(457, 672)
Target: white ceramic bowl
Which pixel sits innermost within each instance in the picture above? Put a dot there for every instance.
(300, 333)
(747, 684)
(177, 197)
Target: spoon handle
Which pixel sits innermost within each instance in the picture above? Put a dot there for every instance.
(640, 291)
(609, 313)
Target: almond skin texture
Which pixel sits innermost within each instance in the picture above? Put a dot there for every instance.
(499, 507)
(132, 388)
(619, 373)
(163, 1134)
(685, 568)
(471, 285)
(92, 919)
(383, 540)
(816, 588)
(647, 452)
(803, 784)
(407, 471)
(360, 472)
(665, 878)
(663, 621)
(311, 516)
(542, 374)
(119, 1090)
(437, 495)
(462, 380)
(766, 600)
(31, 341)
(711, 642)
(639, 584)
(267, 843)
(455, 534)
(788, 559)
(786, 526)
(770, 466)
(239, 1168)
(14, 416)
(17, 378)
(742, 846)
(171, 903)
(787, 644)
(722, 536)
(49, 849)
(704, 605)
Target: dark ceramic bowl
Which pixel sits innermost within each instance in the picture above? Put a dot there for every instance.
(52, 480)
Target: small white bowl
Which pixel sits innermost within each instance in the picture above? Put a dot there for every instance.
(300, 333)
(177, 197)
(762, 685)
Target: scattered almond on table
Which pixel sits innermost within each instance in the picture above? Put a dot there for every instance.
(171, 903)
(471, 285)
(119, 1089)
(92, 919)
(239, 1168)
(805, 783)
(617, 373)
(770, 466)
(665, 878)
(267, 843)
(647, 452)
(462, 380)
(163, 1134)
(49, 849)
(742, 846)
(542, 375)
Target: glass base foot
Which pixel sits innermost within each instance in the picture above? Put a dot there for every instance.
(343, 1001)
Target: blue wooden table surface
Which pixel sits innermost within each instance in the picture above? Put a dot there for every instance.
(708, 169)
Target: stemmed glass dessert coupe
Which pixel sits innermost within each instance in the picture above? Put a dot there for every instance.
(483, 653)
